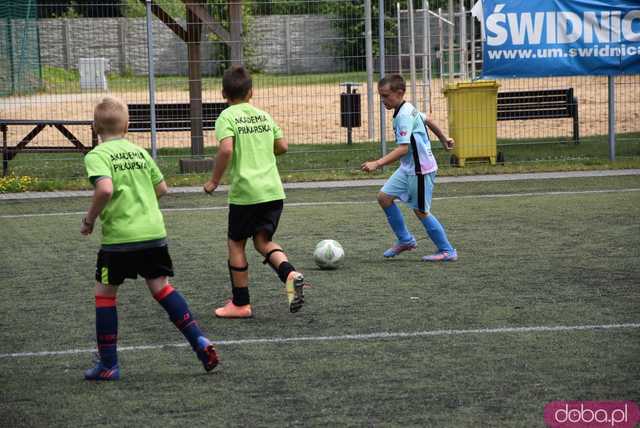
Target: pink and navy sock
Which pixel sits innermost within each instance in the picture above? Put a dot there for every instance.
(179, 313)
(107, 330)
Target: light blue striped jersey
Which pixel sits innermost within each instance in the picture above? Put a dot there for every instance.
(409, 128)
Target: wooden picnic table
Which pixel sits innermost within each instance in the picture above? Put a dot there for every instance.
(9, 152)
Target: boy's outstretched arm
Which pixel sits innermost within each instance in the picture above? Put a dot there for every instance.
(161, 189)
(280, 146)
(447, 142)
(101, 197)
(390, 157)
(225, 151)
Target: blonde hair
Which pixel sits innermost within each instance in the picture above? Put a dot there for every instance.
(111, 117)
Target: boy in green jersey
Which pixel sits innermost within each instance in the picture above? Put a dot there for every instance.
(249, 141)
(127, 185)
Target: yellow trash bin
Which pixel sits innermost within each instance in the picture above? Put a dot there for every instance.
(471, 108)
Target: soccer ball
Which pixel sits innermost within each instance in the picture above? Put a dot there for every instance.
(328, 254)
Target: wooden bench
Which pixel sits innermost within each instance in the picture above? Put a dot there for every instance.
(169, 117)
(172, 117)
(176, 117)
(9, 152)
(540, 104)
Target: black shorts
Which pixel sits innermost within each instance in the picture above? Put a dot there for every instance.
(246, 220)
(113, 267)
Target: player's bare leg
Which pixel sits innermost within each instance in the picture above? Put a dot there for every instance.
(239, 306)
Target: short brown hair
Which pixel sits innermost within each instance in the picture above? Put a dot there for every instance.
(111, 117)
(395, 82)
(236, 83)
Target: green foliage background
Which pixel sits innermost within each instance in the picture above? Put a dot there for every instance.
(347, 18)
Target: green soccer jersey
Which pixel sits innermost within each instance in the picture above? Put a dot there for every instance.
(253, 173)
(132, 214)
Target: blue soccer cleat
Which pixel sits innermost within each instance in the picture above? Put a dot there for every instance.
(102, 372)
(400, 247)
(207, 353)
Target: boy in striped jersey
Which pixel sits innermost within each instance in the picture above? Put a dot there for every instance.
(414, 180)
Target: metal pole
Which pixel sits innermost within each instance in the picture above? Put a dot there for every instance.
(350, 116)
(12, 71)
(451, 42)
(612, 118)
(398, 25)
(441, 42)
(426, 59)
(463, 40)
(287, 42)
(473, 48)
(383, 142)
(412, 53)
(152, 81)
(5, 153)
(369, 53)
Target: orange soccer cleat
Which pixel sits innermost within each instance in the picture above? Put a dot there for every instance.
(229, 310)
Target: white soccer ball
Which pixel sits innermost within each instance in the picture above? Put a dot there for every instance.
(328, 254)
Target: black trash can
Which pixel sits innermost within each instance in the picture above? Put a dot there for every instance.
(350, 109)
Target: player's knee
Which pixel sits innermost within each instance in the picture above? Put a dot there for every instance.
(236, 248)
(259, 245)
(421, 214)
(384, 200)
(260, 242)
(105, 290)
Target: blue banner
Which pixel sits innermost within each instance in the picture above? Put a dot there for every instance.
(526, 38)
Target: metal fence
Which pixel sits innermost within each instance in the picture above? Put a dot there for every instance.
(299, 52)
(19, 54)
(449, 53)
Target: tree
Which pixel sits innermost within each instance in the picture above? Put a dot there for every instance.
(347, 17)
(78, 8)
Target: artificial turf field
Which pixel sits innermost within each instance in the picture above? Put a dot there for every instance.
(543, 305)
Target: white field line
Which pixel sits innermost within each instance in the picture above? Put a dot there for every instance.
(348, 337)
(310, 204)
(357, 183)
